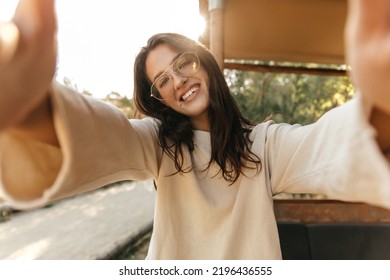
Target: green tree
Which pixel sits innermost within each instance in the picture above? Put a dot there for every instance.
(292, 98)
(121, 102)
(126, 105)
(73, 84)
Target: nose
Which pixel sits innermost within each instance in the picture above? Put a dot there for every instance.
(178, 81)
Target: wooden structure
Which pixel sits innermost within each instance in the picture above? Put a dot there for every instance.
(329, 229)
(304, 31)
(241, 32)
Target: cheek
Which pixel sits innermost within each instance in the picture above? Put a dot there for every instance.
(169, 103)
(207, 86)
(205, 78)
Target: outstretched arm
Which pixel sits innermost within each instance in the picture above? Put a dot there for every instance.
(367, 37)
(27, 65)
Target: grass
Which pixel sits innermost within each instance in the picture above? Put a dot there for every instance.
(137, 250)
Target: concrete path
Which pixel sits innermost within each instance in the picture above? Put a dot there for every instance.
(89, 226)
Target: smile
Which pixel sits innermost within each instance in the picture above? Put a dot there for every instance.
(190, 92)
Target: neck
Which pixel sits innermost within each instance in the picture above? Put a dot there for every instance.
(201, 122)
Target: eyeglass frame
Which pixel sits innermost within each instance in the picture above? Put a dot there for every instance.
(173, 70)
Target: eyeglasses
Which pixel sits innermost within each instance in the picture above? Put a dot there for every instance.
(185, 65)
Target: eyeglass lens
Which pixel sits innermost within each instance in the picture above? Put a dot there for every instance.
(185, 66)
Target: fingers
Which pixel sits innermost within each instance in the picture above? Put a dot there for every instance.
(367, 30)
(36, 19)
(9, 38)
(371, 14)
(367, 41)
(27, 59)
(34, 23)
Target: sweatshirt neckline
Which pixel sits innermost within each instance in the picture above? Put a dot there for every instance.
(200, 135)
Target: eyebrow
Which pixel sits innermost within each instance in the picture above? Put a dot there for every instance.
(170, 64)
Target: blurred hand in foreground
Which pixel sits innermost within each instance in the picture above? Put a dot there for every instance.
(28, 55)
(367, 38)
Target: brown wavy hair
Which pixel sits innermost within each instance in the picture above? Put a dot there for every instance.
(229, 130)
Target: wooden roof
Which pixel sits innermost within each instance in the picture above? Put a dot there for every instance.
(282, 30)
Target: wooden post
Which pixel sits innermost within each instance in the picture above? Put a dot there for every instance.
(216, 11)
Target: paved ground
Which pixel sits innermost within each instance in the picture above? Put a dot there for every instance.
(90, 226)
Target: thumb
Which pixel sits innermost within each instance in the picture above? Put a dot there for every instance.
(9, 38)
(370, 14)
(35, 17)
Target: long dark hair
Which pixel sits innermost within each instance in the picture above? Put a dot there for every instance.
(230, 143)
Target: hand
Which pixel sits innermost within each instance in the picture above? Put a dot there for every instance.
(367, 37)
(28, 54)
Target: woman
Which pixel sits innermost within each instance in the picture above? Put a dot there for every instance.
(182, 102)
(215, 172)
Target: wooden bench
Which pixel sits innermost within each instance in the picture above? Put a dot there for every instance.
(329, 229)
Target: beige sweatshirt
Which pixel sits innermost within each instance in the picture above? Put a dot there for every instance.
(198, 216)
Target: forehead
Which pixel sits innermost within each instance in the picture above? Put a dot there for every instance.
(159, 59)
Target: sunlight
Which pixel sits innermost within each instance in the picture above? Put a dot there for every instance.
(7, 8)
(31, 251)
(98, 40)
(198, 28)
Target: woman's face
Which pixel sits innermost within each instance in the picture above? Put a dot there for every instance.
(186, 95)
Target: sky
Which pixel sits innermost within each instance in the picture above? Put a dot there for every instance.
(99, 39)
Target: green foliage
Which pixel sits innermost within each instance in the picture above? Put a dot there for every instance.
(126, 105)
(121, 102)
(72, 84)
(5, 214)
(292, 98)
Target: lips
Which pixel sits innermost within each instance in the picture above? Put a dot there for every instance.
(189, 93)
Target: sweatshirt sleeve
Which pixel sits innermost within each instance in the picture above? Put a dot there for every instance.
(337, 156)
(98, 146)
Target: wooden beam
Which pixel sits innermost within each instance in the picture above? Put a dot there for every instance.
(328, 211)
(216, 12)
(285, 69)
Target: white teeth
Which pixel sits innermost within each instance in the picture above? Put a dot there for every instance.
(190, 92)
